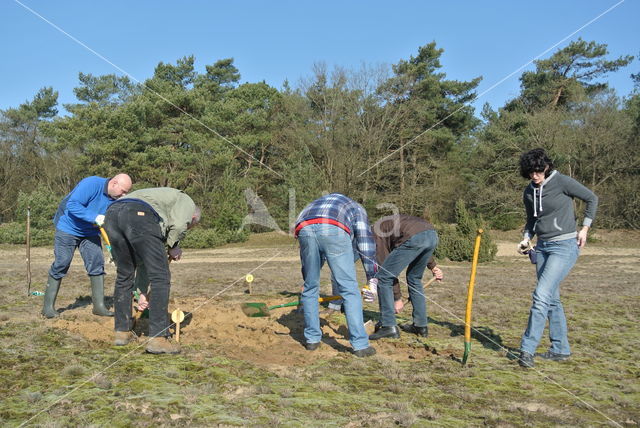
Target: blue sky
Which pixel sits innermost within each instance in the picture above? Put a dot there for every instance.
(278, 40)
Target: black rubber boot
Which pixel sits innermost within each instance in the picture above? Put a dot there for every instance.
(50, 294)
(97, 296)
(412, 328)
(391, 332)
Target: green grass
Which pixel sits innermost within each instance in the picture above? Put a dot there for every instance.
(66, 382)
(51, 377)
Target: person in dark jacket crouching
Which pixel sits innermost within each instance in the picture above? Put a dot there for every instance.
(146, 227)
(403, 241)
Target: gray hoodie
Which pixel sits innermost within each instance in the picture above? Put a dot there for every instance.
(550, 213)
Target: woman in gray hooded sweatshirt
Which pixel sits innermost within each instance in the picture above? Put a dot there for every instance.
(548, 200)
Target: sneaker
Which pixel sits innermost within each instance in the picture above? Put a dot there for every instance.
(552, 356)
(526, 360)
(312, 346)
(411, 328)
(124, 337)
(162, 345)
(366, 352)
(384, 332)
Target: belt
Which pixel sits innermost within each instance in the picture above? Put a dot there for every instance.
(321, 220)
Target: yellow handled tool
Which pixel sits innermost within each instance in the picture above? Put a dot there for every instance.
(107, 244)
(255, 310)
(472, 280)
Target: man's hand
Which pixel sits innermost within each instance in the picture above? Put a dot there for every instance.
(582, 236)
(99, 220)
(524, 246)
(370, 292)
(398, 306)
(437, 272)
(175, 253)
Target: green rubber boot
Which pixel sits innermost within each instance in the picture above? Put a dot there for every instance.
(50, 294)
(97, 296)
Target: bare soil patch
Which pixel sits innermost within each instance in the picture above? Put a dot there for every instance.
(209, 284)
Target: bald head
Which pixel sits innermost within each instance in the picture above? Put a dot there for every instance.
(119, 186)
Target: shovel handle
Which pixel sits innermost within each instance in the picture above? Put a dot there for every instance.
(297, 302)
(107, 243)
(104, 235)
(328, 299)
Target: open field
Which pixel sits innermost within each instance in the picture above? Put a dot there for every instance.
(236, 370)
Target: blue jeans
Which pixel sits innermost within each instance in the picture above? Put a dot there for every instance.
(320, 242)
(64, 245)
(413, 254)
(335, 290)
(554, 261)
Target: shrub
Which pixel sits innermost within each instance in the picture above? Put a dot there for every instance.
(16, 233)
(43, 204)
(457, 242)
(210, 238)
(507, 221)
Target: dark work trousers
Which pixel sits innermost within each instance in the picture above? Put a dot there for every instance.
(136, 237)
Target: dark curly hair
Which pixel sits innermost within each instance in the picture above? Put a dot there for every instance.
(535, 160)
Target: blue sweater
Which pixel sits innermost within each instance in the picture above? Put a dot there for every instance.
(79, 209)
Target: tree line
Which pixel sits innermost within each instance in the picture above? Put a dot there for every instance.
(403, 135)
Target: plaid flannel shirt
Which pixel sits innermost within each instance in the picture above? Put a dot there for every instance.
(351, 214)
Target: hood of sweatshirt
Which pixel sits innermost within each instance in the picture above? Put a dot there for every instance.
(537, 193)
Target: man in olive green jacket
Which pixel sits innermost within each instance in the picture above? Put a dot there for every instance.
(145, 228)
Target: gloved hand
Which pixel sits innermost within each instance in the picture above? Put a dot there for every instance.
(370, 292)
(524, 246)
(99, 220)
(175, 253)
(143, 302)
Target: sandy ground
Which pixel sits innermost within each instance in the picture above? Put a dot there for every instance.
(209, 284)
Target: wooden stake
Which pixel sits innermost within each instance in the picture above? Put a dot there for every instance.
(177, 317)
(249, 280)
(28, 251)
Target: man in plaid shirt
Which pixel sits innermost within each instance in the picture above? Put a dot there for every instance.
(325, 229)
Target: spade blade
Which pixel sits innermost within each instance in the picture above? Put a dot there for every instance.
(255, 310)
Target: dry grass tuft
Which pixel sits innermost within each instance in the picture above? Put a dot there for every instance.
(405, 419)
(325, 386)
(102, 381)
(32, 396)
(74, 370)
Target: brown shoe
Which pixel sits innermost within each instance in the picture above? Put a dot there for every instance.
(162, 345)
(124, 337)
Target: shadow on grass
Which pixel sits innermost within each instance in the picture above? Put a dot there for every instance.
(485, 335)
(83, 301)
(294, 321)
(141, 325)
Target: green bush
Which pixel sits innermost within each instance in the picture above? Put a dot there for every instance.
(457, 242)
(43, 204)
(211, 238)
(507, 221)
(16, 233)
